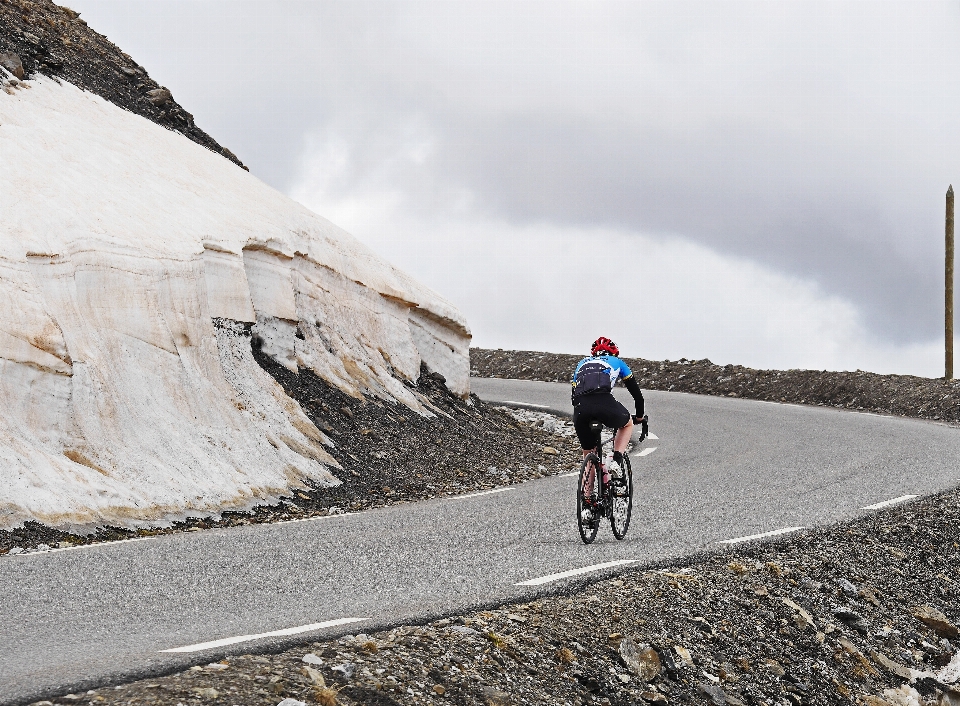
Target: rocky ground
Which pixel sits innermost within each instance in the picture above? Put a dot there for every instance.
(38, 36)
(389, 455)
(904, 395)
(863, 612)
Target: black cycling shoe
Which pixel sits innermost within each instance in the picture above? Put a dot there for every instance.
(589, 517)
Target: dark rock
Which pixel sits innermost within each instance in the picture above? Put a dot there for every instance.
(849, 590)
(642, 661)
(463, 630)
(345, 670)
(936, 621)
(670, 665)
(159, 96)
(716, 695)
(853, 619)
(11, 62)
(495, 697)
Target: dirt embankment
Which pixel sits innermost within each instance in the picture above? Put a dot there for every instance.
(904, 395)
(388, 453)
(39, 36)
(861, 613)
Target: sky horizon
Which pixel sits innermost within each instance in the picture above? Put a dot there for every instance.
(753, 183)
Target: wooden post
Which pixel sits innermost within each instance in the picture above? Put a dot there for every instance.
(948, 290)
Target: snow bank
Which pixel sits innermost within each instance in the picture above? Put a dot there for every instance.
(121, 243)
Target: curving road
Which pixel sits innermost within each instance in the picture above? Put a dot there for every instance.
(723, 469)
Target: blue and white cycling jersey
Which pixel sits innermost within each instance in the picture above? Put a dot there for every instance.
(598, 374)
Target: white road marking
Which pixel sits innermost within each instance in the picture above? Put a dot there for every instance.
(653, 436)
(750, 537)
(526, 404)
(276, 633)
(575, 572)
(645, 452)
(485, 492)
(888, 503)
(311, 519)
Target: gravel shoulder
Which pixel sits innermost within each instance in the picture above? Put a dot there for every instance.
(863, 612)
(901, 395)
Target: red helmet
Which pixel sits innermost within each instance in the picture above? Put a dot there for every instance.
(605, 345)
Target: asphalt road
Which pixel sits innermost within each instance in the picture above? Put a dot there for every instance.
(722, 469)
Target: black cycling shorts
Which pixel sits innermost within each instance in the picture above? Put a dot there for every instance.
(600, 407)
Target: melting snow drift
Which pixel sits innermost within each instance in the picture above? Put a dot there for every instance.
(133, 263)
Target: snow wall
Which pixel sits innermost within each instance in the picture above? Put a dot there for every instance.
(133, 263)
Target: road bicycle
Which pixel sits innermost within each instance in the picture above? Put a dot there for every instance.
(598, 499)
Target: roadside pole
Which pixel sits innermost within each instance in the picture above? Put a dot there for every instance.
(948, 290)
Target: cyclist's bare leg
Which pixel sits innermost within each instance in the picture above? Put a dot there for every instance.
(622, 437)
(588, 476)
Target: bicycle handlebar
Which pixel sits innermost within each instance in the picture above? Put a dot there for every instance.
(644, 426)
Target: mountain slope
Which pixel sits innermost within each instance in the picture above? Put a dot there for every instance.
(54, 41)
(134, 267)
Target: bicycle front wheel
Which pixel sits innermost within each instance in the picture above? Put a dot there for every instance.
(589, 510)
(621, 499)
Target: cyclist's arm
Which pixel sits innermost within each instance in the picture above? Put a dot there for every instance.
(634, 389)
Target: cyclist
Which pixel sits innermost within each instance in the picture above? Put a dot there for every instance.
(593, 401)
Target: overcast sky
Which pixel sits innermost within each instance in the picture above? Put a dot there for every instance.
(759, 183)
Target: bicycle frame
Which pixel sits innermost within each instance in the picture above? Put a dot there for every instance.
(608, 496)
(599, 452)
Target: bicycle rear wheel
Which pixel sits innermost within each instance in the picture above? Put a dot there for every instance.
(588, 498)
(621, 499)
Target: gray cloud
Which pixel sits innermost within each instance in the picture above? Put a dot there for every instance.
(817, 138)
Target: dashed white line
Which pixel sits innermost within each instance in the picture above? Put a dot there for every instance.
(575, 572)
(526, 404)
(645, 452)
(276, 633)
(751, 537)
(484, 492)
(315, 517)
(888, 503)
